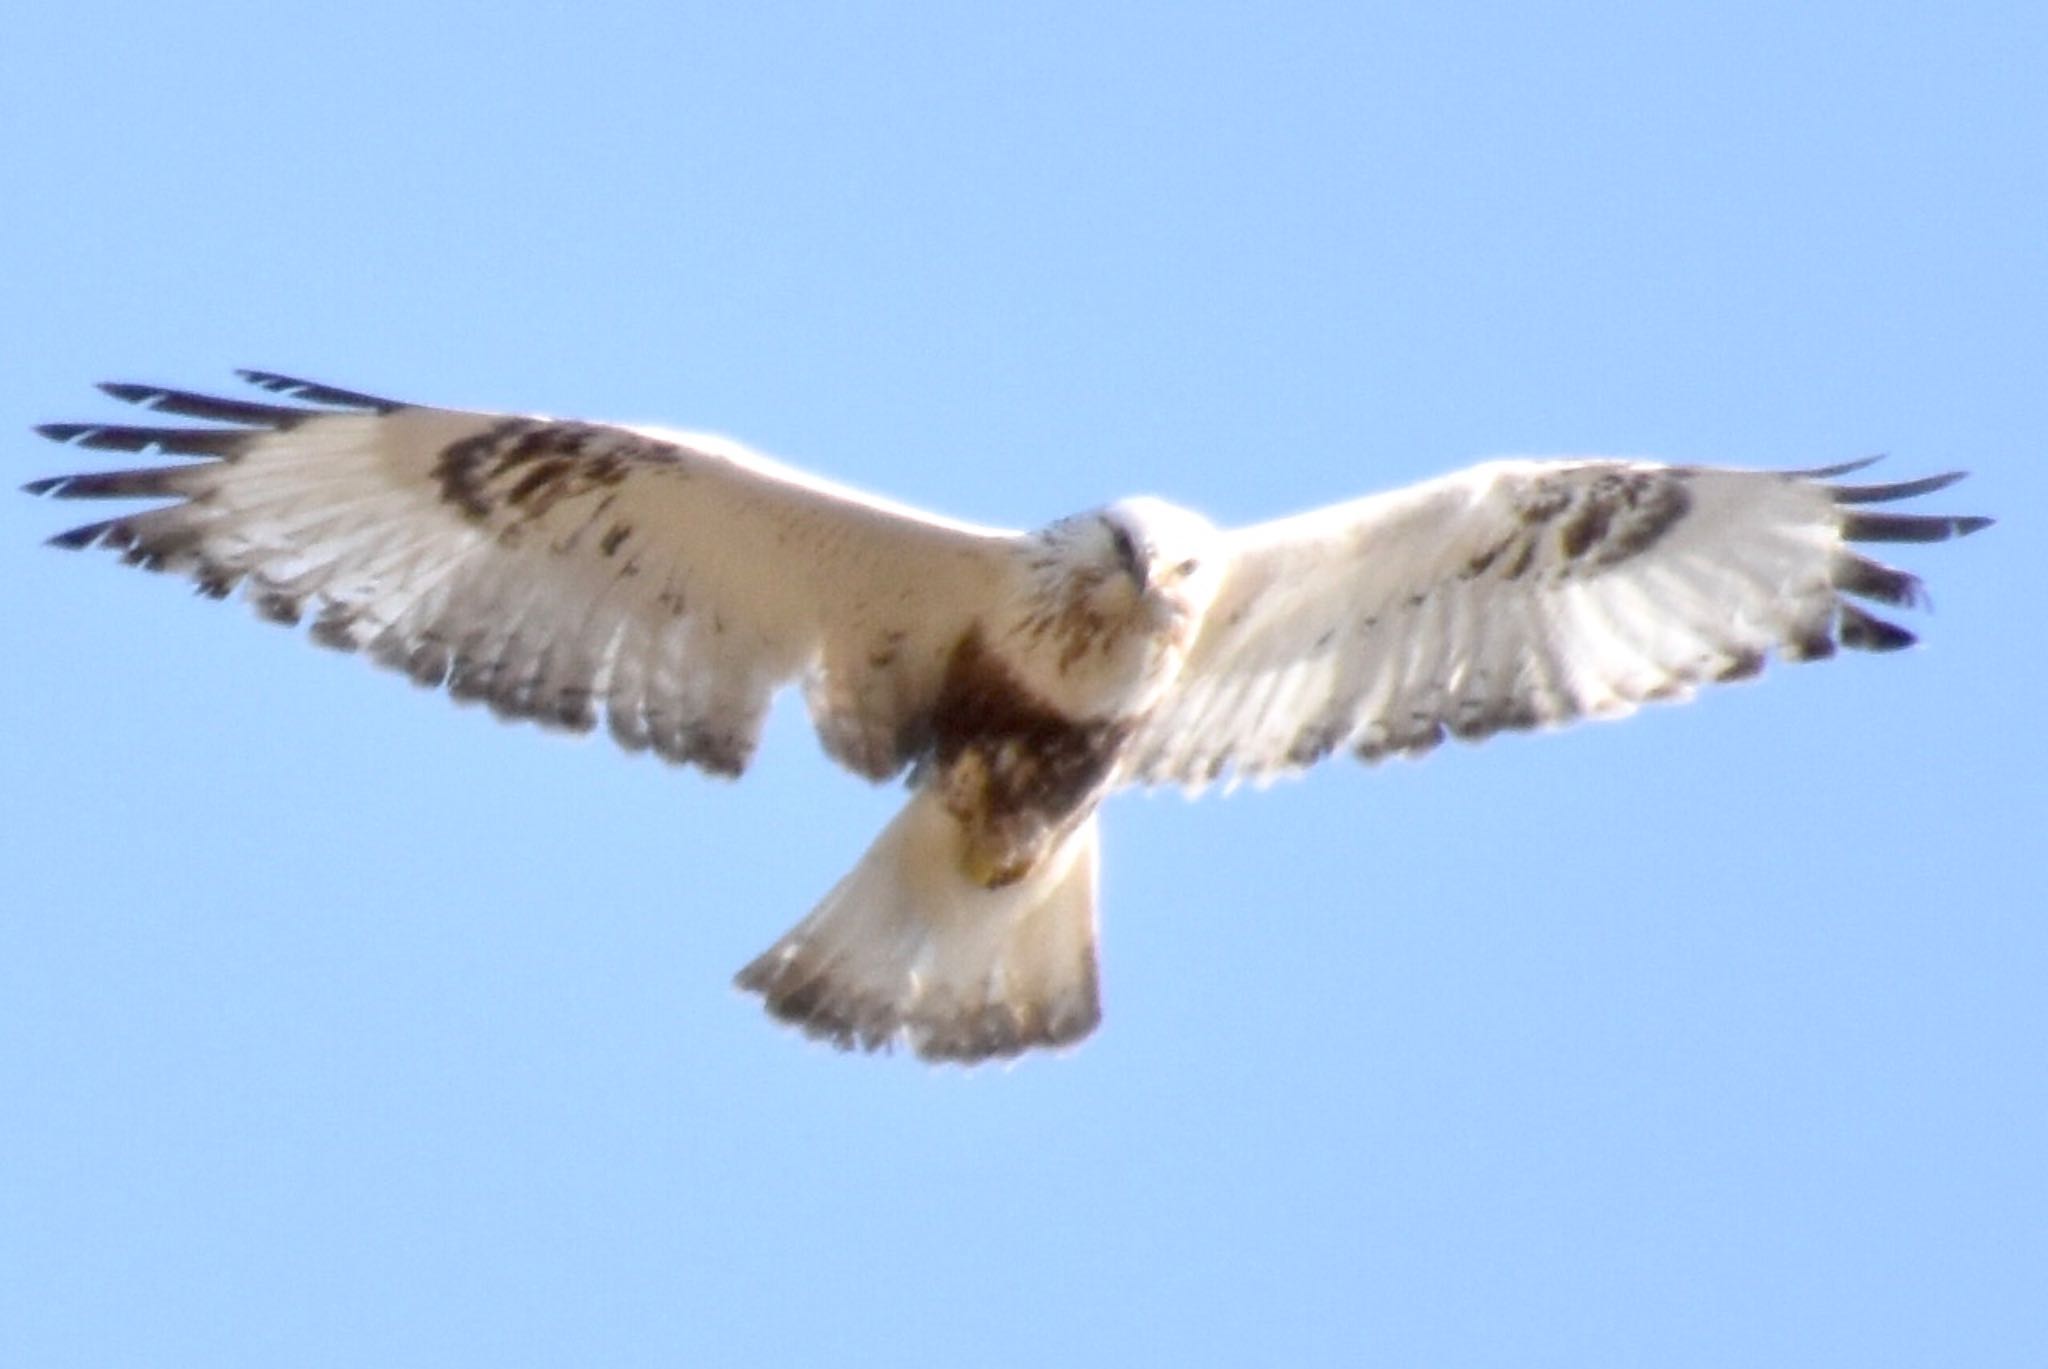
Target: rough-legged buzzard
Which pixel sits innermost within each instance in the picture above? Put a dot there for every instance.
(666, 584)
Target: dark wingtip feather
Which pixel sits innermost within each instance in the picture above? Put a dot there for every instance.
(1814, 644)
(1866, 632)
(1909, 527)
(313, 392)
(152, 482)
(1830, 472)
(77, 539)
(1902, 489)
(1743, 665)
(1870, 579)
(186, 404)
(120, 437)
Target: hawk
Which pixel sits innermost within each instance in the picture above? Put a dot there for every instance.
(666, 584)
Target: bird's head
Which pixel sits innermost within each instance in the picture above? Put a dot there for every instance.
(1140, 556)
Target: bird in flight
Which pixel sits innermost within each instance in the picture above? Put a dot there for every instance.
(667, 584)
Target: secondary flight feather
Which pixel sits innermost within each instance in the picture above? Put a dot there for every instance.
(666, 585)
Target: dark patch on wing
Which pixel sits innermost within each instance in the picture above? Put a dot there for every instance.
(1621, 514)
(1524, 556)
(463, 468)
(527, 465)
(1602, 517)
(1543, 501)
(544, 475)
(1477, 565)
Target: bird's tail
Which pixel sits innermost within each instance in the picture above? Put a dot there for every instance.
(907, 946)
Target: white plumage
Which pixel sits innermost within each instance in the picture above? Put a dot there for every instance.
(667, 584)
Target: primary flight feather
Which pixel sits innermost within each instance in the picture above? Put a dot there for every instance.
(667, 584)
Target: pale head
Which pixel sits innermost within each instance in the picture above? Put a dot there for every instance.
(1138, 558)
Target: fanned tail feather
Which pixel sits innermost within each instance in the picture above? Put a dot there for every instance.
(906, 947)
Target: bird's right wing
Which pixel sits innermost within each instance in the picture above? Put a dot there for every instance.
(560, 571)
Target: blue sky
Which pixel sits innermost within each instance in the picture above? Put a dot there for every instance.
(340, 1026)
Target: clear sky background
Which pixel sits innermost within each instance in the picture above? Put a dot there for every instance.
(341, 1026)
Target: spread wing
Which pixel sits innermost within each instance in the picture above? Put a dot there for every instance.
(559, 571)
(1522, 594)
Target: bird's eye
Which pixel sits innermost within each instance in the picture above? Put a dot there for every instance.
(1187, 568)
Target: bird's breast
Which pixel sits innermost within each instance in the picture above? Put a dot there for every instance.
(1015, 769)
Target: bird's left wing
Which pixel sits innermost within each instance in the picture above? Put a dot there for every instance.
(559, 571)
(1521, 594)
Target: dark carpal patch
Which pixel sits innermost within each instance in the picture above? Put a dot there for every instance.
(527, 465)
(1621, 514)
(1599, 517)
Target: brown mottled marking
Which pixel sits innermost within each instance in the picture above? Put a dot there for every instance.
(1586, 526)
(279, 607)
(1316, 741)
(530, 464)
(460, 467)
(1478, 564)
(1543, 503)
(1013, 772)
(1519, 566)
(543, 474)
(1742, 666)
(1477, 718)
(615, 538)
(1813, 644)
(1622, 514)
